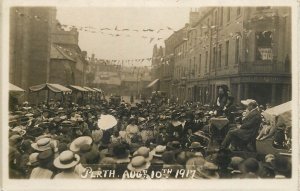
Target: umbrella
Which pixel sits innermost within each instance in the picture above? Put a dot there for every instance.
(106, 122)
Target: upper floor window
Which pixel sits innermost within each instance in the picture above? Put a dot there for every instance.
(237, 50)
(264, 45)
(227, 53)
(228, 14)
(216, 18)
(220, 56)
(221, 16)
(199, 68)
(206, 61)
(238, 11)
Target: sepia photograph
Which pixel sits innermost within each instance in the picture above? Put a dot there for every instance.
(150, 93)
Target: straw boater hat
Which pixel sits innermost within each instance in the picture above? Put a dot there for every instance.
(195, 145)
(209, 170)
(66, 160)
(138, 164)
(33, 159)
(78, 142)
(158, 150)
(145, 152)
(45, 157)
(42, 144)
(235, 163)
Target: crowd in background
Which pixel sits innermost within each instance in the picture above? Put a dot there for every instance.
(57, 140)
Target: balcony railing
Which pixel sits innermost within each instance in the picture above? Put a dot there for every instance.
(263, 68)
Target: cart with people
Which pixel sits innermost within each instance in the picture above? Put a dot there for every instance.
(276, 136)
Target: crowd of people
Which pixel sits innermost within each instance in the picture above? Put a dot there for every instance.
(55, 140)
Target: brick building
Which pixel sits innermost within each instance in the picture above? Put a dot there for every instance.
(41, 51)
(157, 70)
(246, 48)
(30, 44)
(68, 63)
(114, 78)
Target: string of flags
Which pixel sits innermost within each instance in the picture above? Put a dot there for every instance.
(117, 31)
(116, 62)
(150, 33)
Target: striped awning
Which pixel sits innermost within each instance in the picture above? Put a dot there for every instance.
(56, 88)
(89, 89)
(98, 90)
(78, 88)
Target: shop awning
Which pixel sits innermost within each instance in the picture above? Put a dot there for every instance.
(56, 88)
(78, 88)
(89, 89)
(283, 111)
(152, 83)
(98, 90)
(14, 88)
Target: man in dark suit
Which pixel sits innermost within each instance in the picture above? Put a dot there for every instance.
(248, 129)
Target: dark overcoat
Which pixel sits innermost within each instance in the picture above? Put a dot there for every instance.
(250, 125)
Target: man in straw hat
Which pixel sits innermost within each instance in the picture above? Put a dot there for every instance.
(138, 164)
(77, 143)
(66, 162)
(43, 144)
(43, 171)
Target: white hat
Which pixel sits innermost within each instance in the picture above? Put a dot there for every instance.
(248, 101)
(78, 142)
(33, 158)
(29, 115)
(145, 152)
(158, 150)
(66, 159)
(138, 164)
(42, 144)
